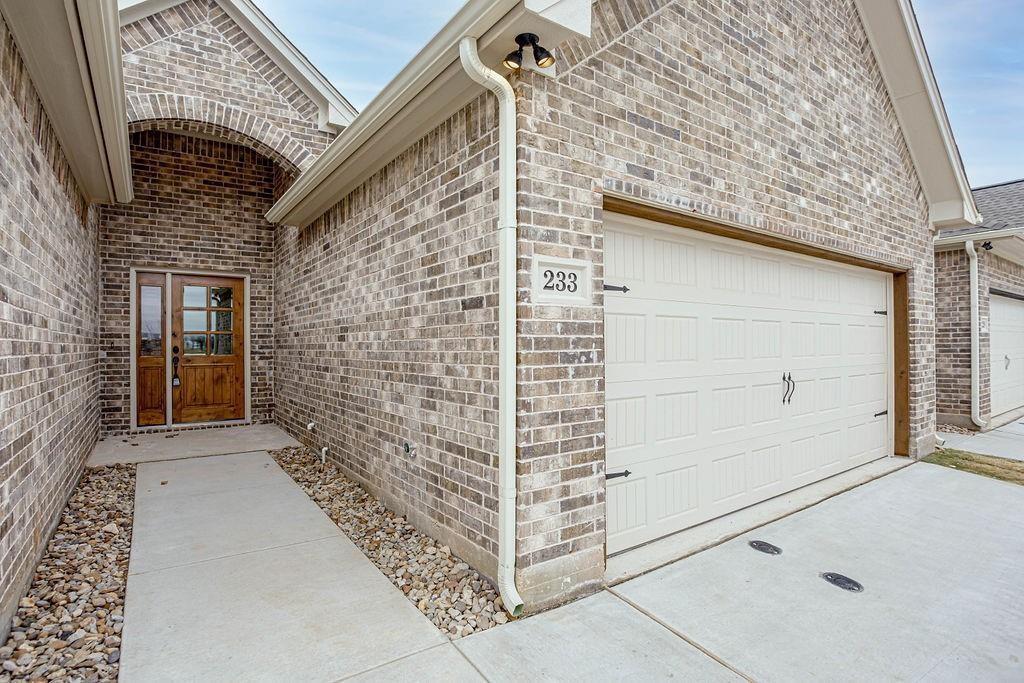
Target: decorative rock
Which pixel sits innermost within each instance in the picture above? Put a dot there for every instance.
(443, 587)
(65, 627)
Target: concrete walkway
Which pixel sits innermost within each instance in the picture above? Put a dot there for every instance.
(1005, 442)
(189, 443)
(236, 575)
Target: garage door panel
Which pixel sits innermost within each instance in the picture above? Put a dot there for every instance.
(680, 268)
(696, 351)
(1006, 343)
(657, 339)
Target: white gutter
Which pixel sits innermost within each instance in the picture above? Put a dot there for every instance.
(987, 235)
(972, 256)
(507, 229)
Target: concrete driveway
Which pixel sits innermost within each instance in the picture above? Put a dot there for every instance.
(939, 553)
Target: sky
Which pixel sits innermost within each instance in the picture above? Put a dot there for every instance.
(976, 48)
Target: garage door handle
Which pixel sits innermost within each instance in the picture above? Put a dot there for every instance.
(1007, 362)
(790, 387)
(793, 390)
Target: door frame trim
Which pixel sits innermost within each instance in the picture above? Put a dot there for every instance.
(168, 273)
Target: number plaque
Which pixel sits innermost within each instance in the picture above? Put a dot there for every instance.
(566, 282)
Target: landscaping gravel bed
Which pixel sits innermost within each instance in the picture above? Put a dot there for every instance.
(68, 627)
(954, 429)
(451, 594)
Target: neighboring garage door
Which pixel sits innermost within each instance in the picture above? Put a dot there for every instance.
(1006, 317)
(699, 354)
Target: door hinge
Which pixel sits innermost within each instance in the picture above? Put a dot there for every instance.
(616, 475)
(884, 412)
(881, 312)
(616, 288)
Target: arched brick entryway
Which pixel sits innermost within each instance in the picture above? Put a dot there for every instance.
(178, 113)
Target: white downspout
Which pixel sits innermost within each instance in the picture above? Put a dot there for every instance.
(507, 229)
(972, 256)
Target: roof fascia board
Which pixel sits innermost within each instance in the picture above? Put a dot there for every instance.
(134, 10)
(430, 88)
(986, 235)
(335, 112)
(55, 46)
(101, 44)
(896, 41)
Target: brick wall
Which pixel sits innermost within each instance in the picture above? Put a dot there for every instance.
(199, 205)
(953, 329)
(953, 338)
(385, 323)
(193, 62)
(767, 114)
(772, 115)
(48, 329)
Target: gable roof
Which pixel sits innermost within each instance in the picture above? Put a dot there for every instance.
(431, 85)
(336, 112)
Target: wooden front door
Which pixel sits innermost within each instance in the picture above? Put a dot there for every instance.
(207, 348)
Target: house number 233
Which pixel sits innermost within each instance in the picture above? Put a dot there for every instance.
(561, 281)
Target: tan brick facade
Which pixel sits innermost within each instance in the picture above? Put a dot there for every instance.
(193, 63)
(771, 115)
(385, 325)
(199, 205)
(48, 328)
(953, 330)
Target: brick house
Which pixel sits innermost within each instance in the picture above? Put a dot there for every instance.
(979, 303)
(549, 314)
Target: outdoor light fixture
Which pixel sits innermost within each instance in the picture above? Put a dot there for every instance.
(987, 246)
(542, 57)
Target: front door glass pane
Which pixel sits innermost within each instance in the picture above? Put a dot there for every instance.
(222, 321)
(220, 297)
(195, 321)
(195, 344)
(195, 297)
(151, 320)
(221, 344)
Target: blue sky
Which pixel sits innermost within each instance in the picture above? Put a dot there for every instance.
(975, 47)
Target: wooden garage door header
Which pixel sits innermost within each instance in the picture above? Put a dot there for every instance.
(630, 208)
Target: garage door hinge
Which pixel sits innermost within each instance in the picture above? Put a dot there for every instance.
(616, 475)
(881, 312)
(884, 412)
(616, 288)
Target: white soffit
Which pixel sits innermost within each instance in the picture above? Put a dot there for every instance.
(335, 111)
(899, 48)
(72, 49)
(1006, 242)
(432, 87)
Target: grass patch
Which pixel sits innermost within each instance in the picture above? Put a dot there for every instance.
(985, 465)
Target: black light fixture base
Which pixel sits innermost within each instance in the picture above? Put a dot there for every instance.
(524, 39)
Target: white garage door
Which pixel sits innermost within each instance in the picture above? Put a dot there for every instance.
(734, 373)
(1007, 345)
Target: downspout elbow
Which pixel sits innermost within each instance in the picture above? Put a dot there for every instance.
(972, 257)
(507, 257)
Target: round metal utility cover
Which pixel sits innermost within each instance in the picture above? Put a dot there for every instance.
(844, 582)
(766, 547)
